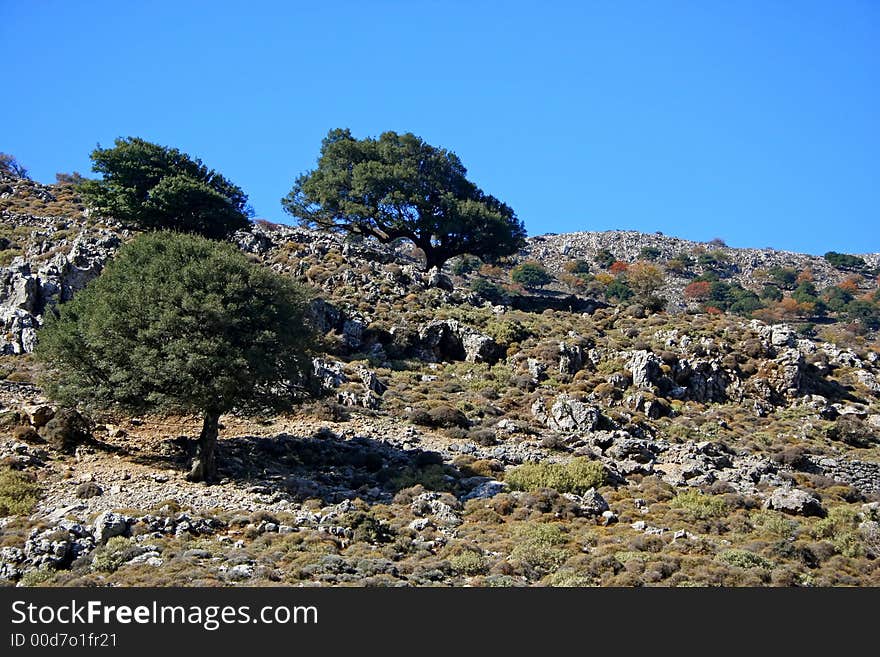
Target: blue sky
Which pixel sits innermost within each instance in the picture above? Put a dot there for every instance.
(756, 122)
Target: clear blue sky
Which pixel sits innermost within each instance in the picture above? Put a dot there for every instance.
(755, 121)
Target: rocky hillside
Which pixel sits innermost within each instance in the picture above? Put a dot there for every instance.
(474, 431)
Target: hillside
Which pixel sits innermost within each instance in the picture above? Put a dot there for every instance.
(663, 412)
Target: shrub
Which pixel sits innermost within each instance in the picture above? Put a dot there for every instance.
(844, 260)
(506, 332)
(18, 492)
(577, 267)
(465, 264)
(538, 546)
(649, 253)
(114, 553)
(491, 292)
(577, 476)
(530, 274)
(698, 290)
(853, 431)
(698, 505)
(604, 258)
(744, 559)
(468, 562)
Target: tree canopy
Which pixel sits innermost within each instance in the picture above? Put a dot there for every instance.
(182, 323)
(156, 187)
(398, 186)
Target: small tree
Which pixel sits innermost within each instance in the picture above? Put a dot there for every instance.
(156, 187)
(179, 322)
(645, 278)
(530, 274)
(398, 186)
(9, 165)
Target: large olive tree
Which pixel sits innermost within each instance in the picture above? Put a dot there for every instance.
(179, 322)
(398, 186)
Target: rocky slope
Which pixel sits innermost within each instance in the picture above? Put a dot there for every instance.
(541, 438)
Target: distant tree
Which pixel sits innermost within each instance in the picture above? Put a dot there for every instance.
(465, 264)
(783, 277)
(864, 312)
(836, 298)
(717, 243)
(182, 323)
(844, 260)
(10, 166)
(156, 187)
(577, 267)
(771, 293)
(604, 258)
(491, 292)
(530, 274)
(618, 267)
(618, 291)
(680, 263)
(398, 186)
(75, 178)
(644, 278)
(697, 291)
(649, 253)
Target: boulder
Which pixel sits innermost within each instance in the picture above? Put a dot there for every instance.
(450, 340)
(794, 501)
(109, 524)
(645, 368)
(567, 414)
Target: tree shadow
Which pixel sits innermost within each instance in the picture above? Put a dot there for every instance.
(325, 467)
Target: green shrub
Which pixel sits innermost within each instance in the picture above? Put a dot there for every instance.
(114, 553)
(698, 505)
(530, 274)
(18, 492)
(577, 476)
(744, 559)
(539, 546)
(36, 577)
(491, 292)
(468, 562)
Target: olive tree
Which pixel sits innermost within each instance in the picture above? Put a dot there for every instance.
(181, 323)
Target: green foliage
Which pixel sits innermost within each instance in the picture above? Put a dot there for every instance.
(744, 559)
(114, 553)
(680, 263)
(18, 492)
(771, 293)
(734, 298)
(465, 264)
(865, 312)
(398, 186)
(836, 299)
(577, 267)
(844, 260)
(530, 274)
(618, 291)
(468, 562)
(506, 332)
(577, 476)
(539, 546)
(156, 187)
(491, 292)
(649, 253)
(604, 258)
(699, 505)
(783, 277)
(179, 322)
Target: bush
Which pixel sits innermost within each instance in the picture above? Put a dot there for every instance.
(530, 274)
(117, 551)
(491, 292)
(744, 559)
(18, 492)
(853, 431)
(843, 260)
(465, 265)
(577, 476)
(447, 417)
(698, 505)
(468, 562)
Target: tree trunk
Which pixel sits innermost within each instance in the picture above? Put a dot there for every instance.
(204, 466)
